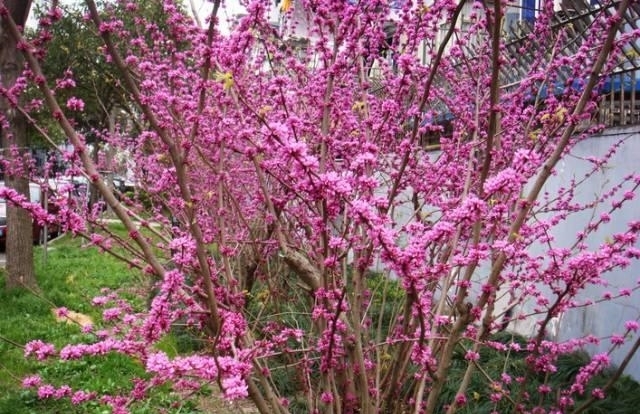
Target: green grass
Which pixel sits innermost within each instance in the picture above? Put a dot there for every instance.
(71, 276)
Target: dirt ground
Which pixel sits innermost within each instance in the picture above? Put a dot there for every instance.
(216, 405)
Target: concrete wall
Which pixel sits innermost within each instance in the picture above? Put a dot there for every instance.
(603, 319)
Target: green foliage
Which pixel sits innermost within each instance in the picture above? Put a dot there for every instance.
(274, 305)
(75, 45)
(622, 398)
(387, 297)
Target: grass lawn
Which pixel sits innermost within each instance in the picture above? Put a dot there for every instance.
(70, 277)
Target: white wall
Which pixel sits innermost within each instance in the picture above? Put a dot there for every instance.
(605, 318)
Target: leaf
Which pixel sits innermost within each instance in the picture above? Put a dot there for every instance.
(74, 318)
(265, 110)
(358, 106)
(226, 79)
(286, 6)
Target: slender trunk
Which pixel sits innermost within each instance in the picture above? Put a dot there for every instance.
(19, 240)
(110, 155)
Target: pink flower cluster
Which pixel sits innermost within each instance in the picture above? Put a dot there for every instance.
(40, 349)
(231, 371)
(75, 104)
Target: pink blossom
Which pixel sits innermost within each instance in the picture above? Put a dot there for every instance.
(507, 180)
(173, 280)
(632, 325)
(66, 83)
(72, 351)
(40, 349)
(55, 13)
(111, 314)
(461, 400)
(81, 396)
(102, 333)
(31, 381)
(326, 397)
(472, 356)
(139, 390)
(617, 339)
(35, 104)
(61, 392)
(46, 391)
(100, 300)
(598, 393)
(75, 104)
(234, 388)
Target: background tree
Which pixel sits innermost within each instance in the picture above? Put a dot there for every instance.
(75, 65)
(19, 244)
(288, 177)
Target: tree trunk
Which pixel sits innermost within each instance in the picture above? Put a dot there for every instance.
(19, 245)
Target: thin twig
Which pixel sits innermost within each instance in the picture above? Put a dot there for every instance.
(9, 341)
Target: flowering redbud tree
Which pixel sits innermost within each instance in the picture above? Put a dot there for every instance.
(291, 209)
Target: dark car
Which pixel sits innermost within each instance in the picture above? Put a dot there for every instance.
(36, 196)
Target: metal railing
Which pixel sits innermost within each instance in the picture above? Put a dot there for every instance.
(620, 104)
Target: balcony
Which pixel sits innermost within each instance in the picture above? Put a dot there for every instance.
(619, 87)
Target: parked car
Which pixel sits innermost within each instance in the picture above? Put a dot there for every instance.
(71, 188)
(35, 196)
